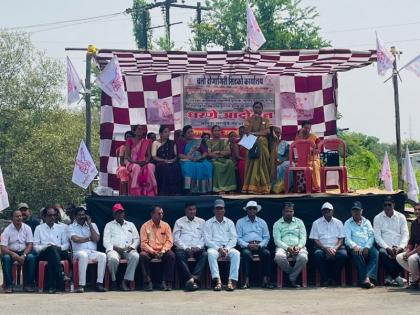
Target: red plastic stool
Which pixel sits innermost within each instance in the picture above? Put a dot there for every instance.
(280, 276)
(107, 276)
(343, 277)
(41, 274)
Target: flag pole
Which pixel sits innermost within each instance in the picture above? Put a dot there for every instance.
(397, 116)
(91, 50)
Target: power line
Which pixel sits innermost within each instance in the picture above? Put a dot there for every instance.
(371, 27)
(67, 21)
(73, 24)
(388, 42)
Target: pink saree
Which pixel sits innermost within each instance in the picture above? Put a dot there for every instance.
(143, 181)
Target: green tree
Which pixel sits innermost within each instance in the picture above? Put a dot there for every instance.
(364, 167)
(39, 137)
(164, 44)
(138, 15)
(286, 24)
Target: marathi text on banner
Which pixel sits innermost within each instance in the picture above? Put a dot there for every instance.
(226, 100)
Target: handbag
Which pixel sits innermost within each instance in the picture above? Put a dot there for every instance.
(254, 152)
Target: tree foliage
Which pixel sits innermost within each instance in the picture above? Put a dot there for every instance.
(39, 137)
(365, 157)
(286, 24)
(138, 29)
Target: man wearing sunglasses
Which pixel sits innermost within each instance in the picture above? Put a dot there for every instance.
(391, 235)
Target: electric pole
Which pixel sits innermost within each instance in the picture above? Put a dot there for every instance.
(166, 6)
(91, 50)
(397, 116)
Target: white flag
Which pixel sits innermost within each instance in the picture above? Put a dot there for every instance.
(410, 178)
(111, 82)
(255, 38)
(413, 65)
(385, 58)
(4, 198)
(386, 175)
(74, 83)
(84, 169)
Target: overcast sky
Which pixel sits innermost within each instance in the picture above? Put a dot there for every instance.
(366, 103)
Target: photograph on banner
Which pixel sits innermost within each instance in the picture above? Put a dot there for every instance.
(161, 111)
(297, 106)
(226, 100)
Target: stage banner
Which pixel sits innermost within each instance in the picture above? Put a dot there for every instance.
(226, 100)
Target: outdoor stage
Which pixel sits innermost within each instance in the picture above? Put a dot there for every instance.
(307, 207)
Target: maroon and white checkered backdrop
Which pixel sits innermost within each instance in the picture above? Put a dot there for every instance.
(305, 77)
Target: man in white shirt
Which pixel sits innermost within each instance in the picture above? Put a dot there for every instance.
(189, 242)
(84, 236)
(51, 243)
(121, 240)
(16, 245)
(220, 238)
(391, 236)
(330, 252)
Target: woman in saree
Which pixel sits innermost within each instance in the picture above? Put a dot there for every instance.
(196, 169)
(305, 133)
(224, 177)
(240, 154)
(168, 171)
(142, 172)
(279, 160)
(257, 171)
(122, 172)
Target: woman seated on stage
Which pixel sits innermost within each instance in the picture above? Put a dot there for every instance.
(257, 174)
(168, 171)
(279, 150)
(224, 177)
(122, 172)
(305, 133)
(197, 171)
(142, 172)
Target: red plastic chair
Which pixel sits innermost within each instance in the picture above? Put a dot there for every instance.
(107, 276)
(41, 274)
(18, 273)
(76, 271)
(300, 162)
(342, 278)
(280, 275)
(123, 190)
(225, 260)
(338, 145)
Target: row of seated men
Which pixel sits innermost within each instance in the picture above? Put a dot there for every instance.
(218, 237)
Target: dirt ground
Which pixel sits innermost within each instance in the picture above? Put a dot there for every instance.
(253, 301)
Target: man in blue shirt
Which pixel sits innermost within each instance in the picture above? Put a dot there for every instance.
(253, 238)
(360, 238)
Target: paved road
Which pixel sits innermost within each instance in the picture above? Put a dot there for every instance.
(254, 301)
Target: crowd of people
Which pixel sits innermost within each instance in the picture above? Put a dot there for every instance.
(27, 241)
(212, 163)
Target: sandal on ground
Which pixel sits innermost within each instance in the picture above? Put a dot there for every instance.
(230, 286)
(245, 286)
(218, 286)
(268, 285)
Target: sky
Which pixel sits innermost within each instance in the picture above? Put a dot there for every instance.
(366, 103)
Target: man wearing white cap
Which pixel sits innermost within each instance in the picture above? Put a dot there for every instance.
(253, 238)
(220, 238)
(328, 235)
